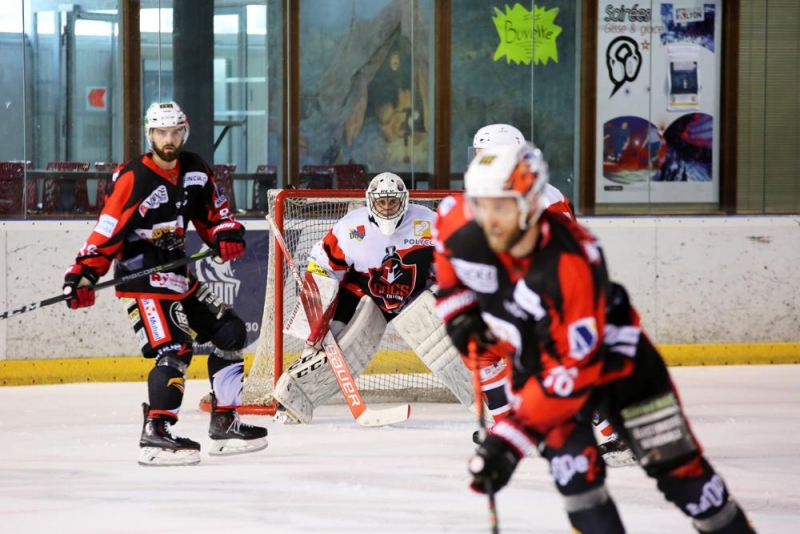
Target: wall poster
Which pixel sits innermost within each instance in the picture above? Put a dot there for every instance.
(658, 102)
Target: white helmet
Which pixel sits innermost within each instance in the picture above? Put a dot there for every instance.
(164, 115)
(495, 135)
(518, 172)
(387, 185)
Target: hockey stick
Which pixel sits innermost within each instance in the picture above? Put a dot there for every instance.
(476, 384)
(312, 304)
(113, 282)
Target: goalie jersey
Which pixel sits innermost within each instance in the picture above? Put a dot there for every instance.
(391, 269)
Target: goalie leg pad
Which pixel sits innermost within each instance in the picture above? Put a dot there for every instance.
(420, 327)
(309, 382)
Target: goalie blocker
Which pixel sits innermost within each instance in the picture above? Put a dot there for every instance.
(309, 382)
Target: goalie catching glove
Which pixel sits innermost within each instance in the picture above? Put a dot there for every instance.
(77, 286)
(229, 241)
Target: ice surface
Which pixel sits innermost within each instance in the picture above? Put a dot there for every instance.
(68, 464)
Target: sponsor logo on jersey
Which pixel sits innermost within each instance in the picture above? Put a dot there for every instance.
(564, 468)
(422, 229)
(141, 337)
(393, 280)
(153, 320)
(446, 205)
(316, 268)
(478, 277)
(529, 300)
(358, 233)
(220, 198)
(713, 495)
(486, 160)
(106, 225)
(195, 178)
(172, 281)
(423, 242)
(156, 198)
(582, 336)
(134, 316)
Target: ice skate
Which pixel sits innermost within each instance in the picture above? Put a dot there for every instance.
(615, 451)
(230, 436)
(160, 447)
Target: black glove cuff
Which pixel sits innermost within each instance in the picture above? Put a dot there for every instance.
(468, 325)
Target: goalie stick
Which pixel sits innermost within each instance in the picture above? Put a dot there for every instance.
(113, 282)
(312, 304)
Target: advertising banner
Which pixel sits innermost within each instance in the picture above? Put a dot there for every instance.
(241, 284)
(658, 85)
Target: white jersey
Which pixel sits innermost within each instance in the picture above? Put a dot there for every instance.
(392, 269)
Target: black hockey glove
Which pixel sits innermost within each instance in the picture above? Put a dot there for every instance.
(492, 466)
(469, 325)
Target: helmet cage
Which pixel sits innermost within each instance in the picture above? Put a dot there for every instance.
(383, 186)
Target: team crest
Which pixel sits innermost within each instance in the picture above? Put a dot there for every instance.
(393, 281)
(358, 233)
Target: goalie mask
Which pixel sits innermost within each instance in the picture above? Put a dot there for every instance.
(387, 200)
(164, 115)
(518, 172)
(495, 135)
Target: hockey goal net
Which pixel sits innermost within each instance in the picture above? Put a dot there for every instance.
(304, 216)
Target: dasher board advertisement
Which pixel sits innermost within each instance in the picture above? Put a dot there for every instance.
(658, 83)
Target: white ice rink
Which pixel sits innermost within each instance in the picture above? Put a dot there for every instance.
(68, 465)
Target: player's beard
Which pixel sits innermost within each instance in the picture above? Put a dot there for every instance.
(503, 242)
(172, 155)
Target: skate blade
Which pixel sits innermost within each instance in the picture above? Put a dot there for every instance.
(232, 447)
(284, 418)
(155, 457)
(622, 458)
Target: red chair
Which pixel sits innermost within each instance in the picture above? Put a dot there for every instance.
(317, 177)
(61, 194)
(351, 176)
(14, 187)
(223, 172)
(267, 179)
(103, 184)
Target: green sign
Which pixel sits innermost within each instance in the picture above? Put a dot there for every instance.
(525, 36)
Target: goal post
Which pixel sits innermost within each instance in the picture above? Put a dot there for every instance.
(304, 216)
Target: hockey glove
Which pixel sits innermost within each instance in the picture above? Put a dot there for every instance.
(229, 240)
(492, 466)
(469, 325)
(77, 286)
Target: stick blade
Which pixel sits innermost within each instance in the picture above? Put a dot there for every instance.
(387, 416)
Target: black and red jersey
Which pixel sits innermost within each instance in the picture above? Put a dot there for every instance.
(144, 222)
(550, 306)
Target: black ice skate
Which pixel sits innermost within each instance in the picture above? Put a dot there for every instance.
(616, 452)
(230, 436)
(160, 447)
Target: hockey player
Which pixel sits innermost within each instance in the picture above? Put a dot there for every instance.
(373, 266)
(574, 344)
(143, 224)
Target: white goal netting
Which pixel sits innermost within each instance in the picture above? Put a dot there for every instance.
(304, 216)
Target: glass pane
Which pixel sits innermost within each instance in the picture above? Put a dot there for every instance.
(366, 71)
(517, 65)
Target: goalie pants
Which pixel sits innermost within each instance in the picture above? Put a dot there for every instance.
(166, 331)
(686, 479)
